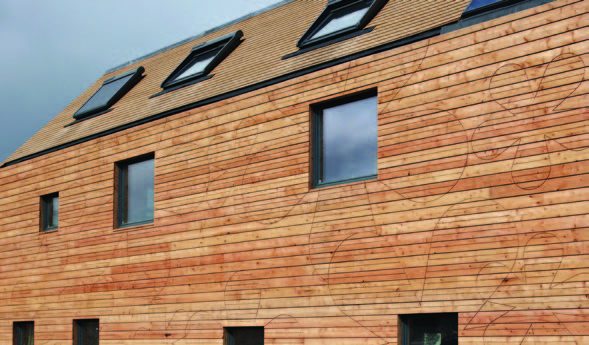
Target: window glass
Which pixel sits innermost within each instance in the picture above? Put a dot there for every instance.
(341, 21)
(244, 335)
(349, 141)
(199, 65)
(24, 333)
(431, 329)
(137, 192)
(50, 217)
(87, 332)
(104, 94)
(474, 4)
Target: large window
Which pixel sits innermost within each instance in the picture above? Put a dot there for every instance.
(244, 336)
(135, 191)
(429, 329)
(23, 333)
(345, 140)
(49, 212)
(86, 332)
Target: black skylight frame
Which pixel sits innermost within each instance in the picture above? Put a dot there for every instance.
(225, 45)
(136, 76)
(335, 7)
(488, 7)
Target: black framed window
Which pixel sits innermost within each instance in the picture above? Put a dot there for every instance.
(202, 60)
(111, 91)
(429, 329)
(340, 18)
(244, 336)
(479, 11)
(86, 332)
(497, 8)
(474, 4)
(50, 212)
(135, 191)
(23, 333)
(345, 140)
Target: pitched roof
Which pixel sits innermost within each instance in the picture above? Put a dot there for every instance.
(268, 36)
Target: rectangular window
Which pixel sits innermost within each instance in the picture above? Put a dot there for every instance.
(86, 332)
(429, 329)
(345, 140)
(49, 212)
(244, 336)
(23, 333)
(135, 191)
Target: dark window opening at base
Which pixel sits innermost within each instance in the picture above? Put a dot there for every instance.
(23, 333)
(86, 332)
(244, 336)
(429, 329)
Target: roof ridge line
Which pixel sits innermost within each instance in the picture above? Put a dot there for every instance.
(204, 33)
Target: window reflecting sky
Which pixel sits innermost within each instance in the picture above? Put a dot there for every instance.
(350, 145)
(341, 22)
(202, 62)
(480, 3)
(140, 188)
(104, 94)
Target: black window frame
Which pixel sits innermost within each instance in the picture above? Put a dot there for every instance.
(317, 137)
(225, 45)
(404, 328)
(17, 328)
(46, 208)
(137, 75)
(77, 336)
(120, 193)
(333, 7)
(489, 7)
(228, 336)
(490, 12)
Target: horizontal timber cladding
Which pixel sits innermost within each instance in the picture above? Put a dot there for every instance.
(480, 206)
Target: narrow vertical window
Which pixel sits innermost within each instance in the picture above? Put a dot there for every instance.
(135, 191)
(345, 140)
(429, 329)
(86, 332)
(50, 212)
(23, 333)
(244, 336)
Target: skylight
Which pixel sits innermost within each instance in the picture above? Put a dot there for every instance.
(109, 93)
(341, 17)
(202, 60)
(198, 66)
(474, 4)
(343, 21)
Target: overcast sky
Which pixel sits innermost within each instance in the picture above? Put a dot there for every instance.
(53, 50)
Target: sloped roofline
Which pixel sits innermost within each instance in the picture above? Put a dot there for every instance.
(202, 34)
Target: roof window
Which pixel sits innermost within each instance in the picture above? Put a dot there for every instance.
(109, 93)
(341, 18)
(477, 7)
(202, 60)
(474, 4)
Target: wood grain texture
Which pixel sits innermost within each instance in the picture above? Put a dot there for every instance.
(479, 208)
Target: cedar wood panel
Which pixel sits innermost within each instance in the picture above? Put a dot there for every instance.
(480, 206)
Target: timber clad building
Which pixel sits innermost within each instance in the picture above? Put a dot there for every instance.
(320, 172)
